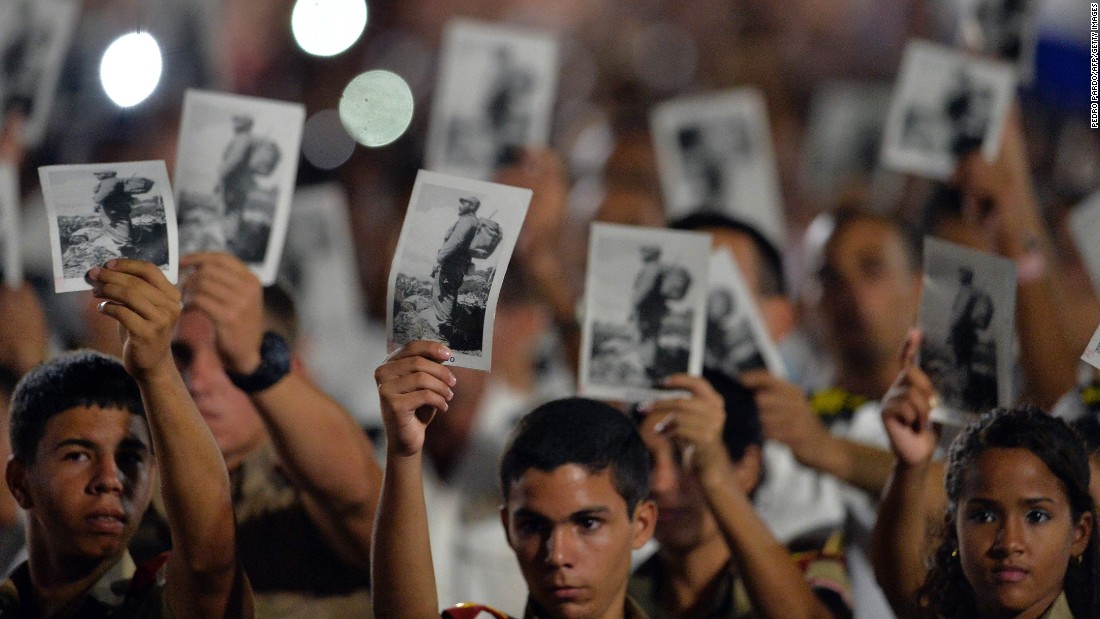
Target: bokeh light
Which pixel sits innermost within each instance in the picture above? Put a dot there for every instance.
(376, 107)
(328, 27)
(325, 142)
(131, 68)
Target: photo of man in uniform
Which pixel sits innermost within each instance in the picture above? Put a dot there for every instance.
(453, 262)
(113, 199)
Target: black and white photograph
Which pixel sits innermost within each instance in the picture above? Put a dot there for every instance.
(101, 211)
(34, 37)
(843, 134)
(967, 317)
(495, 95)
(1084, 225)
(1003, 29)
(235, 171)
(736, 337)
(450, 261)
(1092, 353)
(644, 310)
(945, 104)
(714, 153)
(11, 264)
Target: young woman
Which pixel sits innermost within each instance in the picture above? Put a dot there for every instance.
(1018, 536)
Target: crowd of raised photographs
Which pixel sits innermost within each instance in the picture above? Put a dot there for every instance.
(825, 493)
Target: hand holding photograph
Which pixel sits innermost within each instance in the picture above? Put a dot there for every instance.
(236, 166)
(494, 95)
(714, 153)
(101, 211)
(34, 38)
(967, 316)
(450, 262)
(946, 103)
(644, 310)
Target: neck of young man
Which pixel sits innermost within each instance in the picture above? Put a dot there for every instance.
(691, 577)
(58, 580)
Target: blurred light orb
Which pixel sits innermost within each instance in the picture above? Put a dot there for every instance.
(376, 107)
(328, 27)
(131, 68)
(325, 142)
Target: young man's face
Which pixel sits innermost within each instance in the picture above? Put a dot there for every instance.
(573, 536)
(89, 484)
(684, 519)
(870, 292)
(227, 411)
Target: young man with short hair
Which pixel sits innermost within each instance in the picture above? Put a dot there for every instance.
(717, 559)
(575, 476)
(89, 435)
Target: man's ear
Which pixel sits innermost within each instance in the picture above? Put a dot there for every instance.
(16, 476)
(505, 522)
(643, 522)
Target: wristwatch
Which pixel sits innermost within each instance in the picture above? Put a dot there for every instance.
(274, 365)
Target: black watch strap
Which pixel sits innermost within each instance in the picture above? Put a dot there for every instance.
(274, 365)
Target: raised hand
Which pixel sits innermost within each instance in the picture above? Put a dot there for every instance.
(146, 306)
(413, 385)
(693, 423)
(229, 293)
(906, 407)
(785, 414)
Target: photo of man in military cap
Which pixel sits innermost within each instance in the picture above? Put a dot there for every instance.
(453, 261)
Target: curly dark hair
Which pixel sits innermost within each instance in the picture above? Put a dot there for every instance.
(946, 592)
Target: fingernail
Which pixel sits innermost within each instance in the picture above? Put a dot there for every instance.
(453, 380)
(446, 353)
(450, 395)
(112, 263)
(102, 305)
(644, 406)
(663, 424)
(91, 274)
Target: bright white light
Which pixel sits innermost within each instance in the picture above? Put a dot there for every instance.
(130, 69)
(328, 27)
(376, 107)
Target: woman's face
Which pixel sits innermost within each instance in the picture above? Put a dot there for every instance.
(1016, 533)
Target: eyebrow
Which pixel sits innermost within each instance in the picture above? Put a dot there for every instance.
(1026, 501)
(596, 510)
(130, 443)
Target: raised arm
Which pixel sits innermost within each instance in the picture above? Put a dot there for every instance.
(774, 583)
(787, 417)
(911, 496)
(323, 451)
(413, 386)
(204, 576)
(1000, 198)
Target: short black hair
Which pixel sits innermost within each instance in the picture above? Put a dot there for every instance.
(580, 431)
(743, 427)
(80, 378)
(773, 279)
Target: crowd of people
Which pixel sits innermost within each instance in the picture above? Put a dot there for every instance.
(174, 450)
